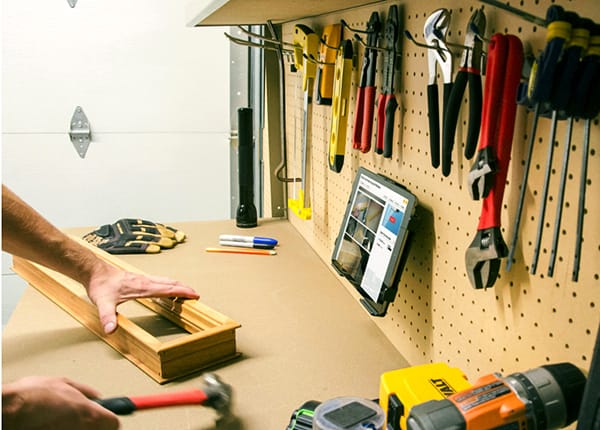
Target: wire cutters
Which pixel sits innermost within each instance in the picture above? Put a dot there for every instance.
(435, 29)
(505, 60)
(387, 104)
(365, 95)
(469, 72)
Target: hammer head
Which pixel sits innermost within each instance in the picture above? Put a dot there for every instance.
(218, 393)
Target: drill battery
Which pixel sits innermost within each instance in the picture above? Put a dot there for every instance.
(302, 418)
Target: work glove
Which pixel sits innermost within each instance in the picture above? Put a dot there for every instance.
(134, 236)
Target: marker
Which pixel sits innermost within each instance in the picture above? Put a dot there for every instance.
(256, 240)
(244, 244)
(242, 251)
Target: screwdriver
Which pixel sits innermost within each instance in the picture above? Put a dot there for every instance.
(557, 33)
(587, 90)
(564, 89)
(556, 102)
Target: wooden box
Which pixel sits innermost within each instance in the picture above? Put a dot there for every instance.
(209, 336)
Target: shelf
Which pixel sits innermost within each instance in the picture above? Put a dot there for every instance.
(244, 12)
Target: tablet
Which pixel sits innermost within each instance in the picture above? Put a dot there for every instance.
(374, 237)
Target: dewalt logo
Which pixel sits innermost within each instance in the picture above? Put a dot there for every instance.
(442, 386)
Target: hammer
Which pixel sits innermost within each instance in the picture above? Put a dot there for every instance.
(214, 394)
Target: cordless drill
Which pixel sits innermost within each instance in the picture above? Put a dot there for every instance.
(544, 398)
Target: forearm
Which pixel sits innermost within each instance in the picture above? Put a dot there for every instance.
(27, 234)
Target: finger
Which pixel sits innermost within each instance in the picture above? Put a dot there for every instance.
(84, 389)
(107, 311)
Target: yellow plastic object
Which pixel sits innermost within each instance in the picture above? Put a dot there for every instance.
(340, 107)
(298, 207)
(418, 384)
(330, 41)
(306, 51)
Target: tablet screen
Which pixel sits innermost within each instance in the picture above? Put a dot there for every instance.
(373, 232)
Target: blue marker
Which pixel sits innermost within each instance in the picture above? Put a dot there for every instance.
(247, 241)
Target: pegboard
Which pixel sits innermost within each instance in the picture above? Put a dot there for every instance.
(524, 320)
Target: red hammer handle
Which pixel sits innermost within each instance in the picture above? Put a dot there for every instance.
(192, 397)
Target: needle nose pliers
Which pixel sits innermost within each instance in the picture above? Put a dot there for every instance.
(469, 72)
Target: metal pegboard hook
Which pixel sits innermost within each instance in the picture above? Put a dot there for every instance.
(435, 47)
(264, 38)
(364, 45)
(243, 42)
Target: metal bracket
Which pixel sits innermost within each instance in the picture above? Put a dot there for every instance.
(80, 132)
(72, 3)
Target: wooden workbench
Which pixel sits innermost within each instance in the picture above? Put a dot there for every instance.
(303, 336)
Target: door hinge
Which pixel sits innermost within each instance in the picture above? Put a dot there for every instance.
(80, 131)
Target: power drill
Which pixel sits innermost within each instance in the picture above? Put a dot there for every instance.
(544, 398)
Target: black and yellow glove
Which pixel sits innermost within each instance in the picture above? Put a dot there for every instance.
(134, 236)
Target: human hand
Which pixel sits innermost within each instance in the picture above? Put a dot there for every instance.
(48, 403)
(109, 286)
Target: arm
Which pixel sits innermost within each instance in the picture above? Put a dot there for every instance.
(53, 403)
(27, 234)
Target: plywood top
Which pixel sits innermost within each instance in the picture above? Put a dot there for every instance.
(303, 335)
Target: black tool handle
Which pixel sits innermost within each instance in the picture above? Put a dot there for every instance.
(388, 134)
(451, 118)
(475, 106)
(434, 124)
(118, 405)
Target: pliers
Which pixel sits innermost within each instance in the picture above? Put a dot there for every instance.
(469, 71)
(435, 29)
(365, 95)
(505, 60)
(387, 104)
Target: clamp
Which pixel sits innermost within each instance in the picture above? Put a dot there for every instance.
(435, 29)
(387, 104)
(505, 60)
(470, 71)
(365, 95)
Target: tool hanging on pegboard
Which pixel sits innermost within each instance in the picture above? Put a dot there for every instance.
(435, 30)
(387, 103)
(365, 94)
(505, 60)
(340, 106)
(469, 72)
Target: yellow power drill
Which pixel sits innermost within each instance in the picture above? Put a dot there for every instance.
(437, 397)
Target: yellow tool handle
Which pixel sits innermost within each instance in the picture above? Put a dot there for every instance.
(306, 51)
(340, 106)
(330, 44)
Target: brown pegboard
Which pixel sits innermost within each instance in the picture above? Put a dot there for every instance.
(523, 321)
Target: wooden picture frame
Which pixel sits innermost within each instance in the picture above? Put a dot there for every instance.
(210, 337)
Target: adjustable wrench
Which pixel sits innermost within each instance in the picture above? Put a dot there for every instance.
(505, 60)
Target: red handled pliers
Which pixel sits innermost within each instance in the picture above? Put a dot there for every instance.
(505, 60)
(387, 104)
(365, 95)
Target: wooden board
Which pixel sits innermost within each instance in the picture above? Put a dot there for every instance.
(210, 337)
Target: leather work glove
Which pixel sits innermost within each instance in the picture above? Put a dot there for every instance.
(134, 236)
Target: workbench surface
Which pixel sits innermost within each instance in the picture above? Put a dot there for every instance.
(303, 335)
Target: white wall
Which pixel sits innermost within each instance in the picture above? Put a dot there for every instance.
(155, 91)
